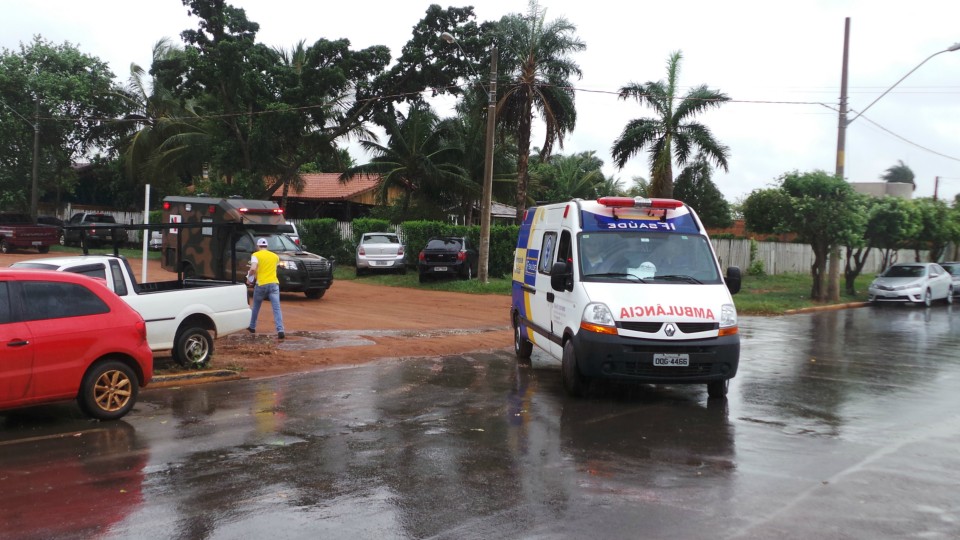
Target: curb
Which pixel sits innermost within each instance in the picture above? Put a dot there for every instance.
(832, 307)
(194, 377)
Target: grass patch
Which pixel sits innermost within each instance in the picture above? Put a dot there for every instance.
(412, 280)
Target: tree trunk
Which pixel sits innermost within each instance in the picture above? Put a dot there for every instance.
(818, 271)
(523, 159)
(850, 273)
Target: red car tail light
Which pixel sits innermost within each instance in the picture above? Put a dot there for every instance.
(142, 330)
(400, 251)
(461, 256)
(361, 251)
(421, 257)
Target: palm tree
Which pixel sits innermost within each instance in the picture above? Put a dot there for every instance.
(535, 58)
(165, 140)
(673, 134)
(416, 160)
(899, 173)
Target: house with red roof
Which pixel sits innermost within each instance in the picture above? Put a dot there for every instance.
(325, 196)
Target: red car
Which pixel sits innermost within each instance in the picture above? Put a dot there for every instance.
(65, 336)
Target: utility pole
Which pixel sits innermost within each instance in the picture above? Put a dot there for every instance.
(833, 272)
(35, 182)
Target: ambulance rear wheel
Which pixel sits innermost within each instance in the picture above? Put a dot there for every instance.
(573, 381)
(718, 389)
(521, 345)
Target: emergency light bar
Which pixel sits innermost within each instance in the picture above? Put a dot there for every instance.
(277, 211)
(639, 202)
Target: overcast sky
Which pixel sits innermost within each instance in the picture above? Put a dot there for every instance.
(780, 63)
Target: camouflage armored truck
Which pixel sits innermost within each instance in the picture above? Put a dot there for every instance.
(215, 238)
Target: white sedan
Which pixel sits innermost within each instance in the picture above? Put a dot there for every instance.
(918, 283)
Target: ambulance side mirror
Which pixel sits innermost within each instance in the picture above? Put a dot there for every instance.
(733, 279)
(561, 277)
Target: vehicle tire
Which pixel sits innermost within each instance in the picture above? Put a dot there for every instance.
(927, 298)
(718, 389)
(193, 348)
(314, 294)
(5, 247)
(43, 249)
(521, 345)
(108, 390)
(573, 381)
(188, 271)
(63, 239)
(949, 298)
(359, 272)
(469, 272)
(403, 269)
(422, 277)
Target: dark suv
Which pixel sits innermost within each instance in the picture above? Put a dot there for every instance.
(447, 256)
(92, 229)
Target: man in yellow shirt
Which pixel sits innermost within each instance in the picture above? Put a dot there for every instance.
(263, 269)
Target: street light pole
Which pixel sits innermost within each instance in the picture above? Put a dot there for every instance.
(486, 199)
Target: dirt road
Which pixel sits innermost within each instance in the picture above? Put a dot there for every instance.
(353, 323)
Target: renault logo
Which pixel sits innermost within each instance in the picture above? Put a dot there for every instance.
(670, 330)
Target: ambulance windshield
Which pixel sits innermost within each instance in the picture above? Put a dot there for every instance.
(649, 257)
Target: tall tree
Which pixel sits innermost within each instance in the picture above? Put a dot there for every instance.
(821, 208)
(67, 95)
(535, 60)
(563, 178)
(937, 228)
(899, 173)
(695, 187)
(672, 134)
(416, 159)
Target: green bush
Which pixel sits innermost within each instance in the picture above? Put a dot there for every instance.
(322, 236)
(503, 241)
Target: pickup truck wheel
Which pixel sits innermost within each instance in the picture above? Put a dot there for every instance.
(108, 391)
(5, 247)
(314, 294)
(573, 382)
(63, 239)
(193, 348)
(521, 345)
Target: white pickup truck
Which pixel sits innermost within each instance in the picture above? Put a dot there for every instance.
(182, 316)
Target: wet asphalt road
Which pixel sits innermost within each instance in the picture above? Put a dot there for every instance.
(839, 424)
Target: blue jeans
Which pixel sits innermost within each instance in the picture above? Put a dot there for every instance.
(271, 291)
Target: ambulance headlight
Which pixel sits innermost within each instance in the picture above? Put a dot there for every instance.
(728, 316)
(598, 318)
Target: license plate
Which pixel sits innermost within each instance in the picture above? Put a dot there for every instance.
(671, 360)
(379, 263)
(36, 243)
(439, 268)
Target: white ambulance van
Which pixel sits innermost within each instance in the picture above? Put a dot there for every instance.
(625, 288)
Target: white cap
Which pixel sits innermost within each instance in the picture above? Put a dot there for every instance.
(261, 242)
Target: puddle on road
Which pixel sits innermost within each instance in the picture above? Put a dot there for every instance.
(309, 341)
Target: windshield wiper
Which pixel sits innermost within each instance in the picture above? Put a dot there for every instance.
(679, 277)
(618, 275)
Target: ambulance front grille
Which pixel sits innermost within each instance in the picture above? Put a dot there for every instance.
(647, 369)
(654, 327)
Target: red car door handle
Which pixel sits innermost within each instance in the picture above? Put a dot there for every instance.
(18, 343)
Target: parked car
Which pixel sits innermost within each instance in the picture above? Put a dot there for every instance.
(89, 230)
(182, 316)
(380, 251)
(66, 336)
(953, 268)
(293, 234)
(447, 256)
(918, 283)
(156, 241)
(18, 231)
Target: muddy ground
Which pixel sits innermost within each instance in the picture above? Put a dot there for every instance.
(355, 322)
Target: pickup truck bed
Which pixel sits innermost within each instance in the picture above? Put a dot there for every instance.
(17, 231)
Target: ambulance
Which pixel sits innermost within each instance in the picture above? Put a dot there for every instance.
(625, 288)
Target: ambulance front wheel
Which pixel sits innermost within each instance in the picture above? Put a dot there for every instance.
(573, 381)
(521, 345)
(718, 389)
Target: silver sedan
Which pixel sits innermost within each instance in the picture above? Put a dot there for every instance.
(380, 251)
(918, 283)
